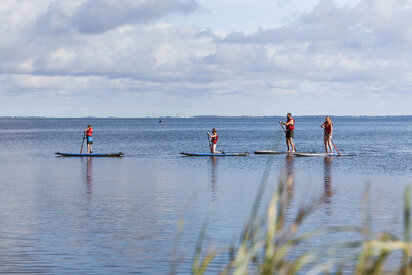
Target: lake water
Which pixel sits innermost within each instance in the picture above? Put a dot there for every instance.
(121, 215)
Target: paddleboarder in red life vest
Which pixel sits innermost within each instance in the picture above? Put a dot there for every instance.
(290, 132)
(213, 140)
(89, 136)
(327, 137)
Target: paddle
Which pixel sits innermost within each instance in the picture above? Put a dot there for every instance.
(81, 149)
(281, 125)
(335, 147)
(294, 146)
(332, 142)
(210, 145)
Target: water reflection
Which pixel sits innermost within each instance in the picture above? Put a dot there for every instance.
(89, 179)
(327, 179)
(290, 177)
(213, 183)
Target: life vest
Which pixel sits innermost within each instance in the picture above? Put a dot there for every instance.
(214, 139)
(89, 132)
(290, 126)
(328, 127)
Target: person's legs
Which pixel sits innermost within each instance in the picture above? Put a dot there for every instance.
(89, 145)
(292, 145)
(330, 144)
(288, 140)
(290, 134)
(214, 148)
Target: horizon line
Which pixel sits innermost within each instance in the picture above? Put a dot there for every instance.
(190, 116)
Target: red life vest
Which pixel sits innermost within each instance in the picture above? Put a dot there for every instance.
(328, 127)
(291, 126)
(214, 139)
(89, 132)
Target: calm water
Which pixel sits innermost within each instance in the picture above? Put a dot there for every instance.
(120, 215)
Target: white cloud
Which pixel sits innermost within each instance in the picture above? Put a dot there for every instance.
(97, 16)
(60, 59)
(96, 48)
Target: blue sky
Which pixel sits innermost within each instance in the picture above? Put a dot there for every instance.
(137, 58)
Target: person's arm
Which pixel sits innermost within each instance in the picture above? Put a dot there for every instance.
(287, 123)
(331, 128)
(323, 125)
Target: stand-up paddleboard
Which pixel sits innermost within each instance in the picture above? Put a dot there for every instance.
(323, 155)
(269, 152)
(120, 154)
(215, 155)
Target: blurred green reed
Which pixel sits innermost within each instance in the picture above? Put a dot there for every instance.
(269, 245)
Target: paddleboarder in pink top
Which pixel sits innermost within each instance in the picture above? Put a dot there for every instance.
(327, 137)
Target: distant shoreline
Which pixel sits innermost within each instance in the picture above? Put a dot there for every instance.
(207, 117)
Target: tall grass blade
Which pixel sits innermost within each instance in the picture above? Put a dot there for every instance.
(407, 224)
(197, 266)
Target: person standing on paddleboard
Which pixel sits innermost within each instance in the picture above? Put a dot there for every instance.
(327, 137)
(213, 141)
(89, 136)
(290, 132)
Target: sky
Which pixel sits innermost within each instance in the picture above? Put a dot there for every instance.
(138, 58)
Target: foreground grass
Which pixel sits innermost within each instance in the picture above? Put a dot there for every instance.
(269, 245)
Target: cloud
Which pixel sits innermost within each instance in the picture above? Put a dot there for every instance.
(343, 52)
(334, 43)
(98, 16)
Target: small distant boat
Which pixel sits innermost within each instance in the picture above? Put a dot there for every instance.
(215, 155)
(323, 155)
(120, 154)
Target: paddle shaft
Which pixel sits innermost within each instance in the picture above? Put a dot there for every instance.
(282, 127)
(210, 145)
(81, 149)
(335, 147)
(332, 142)
(294, 146)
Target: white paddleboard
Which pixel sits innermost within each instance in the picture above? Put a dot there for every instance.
(270, 152)
(323, 155)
